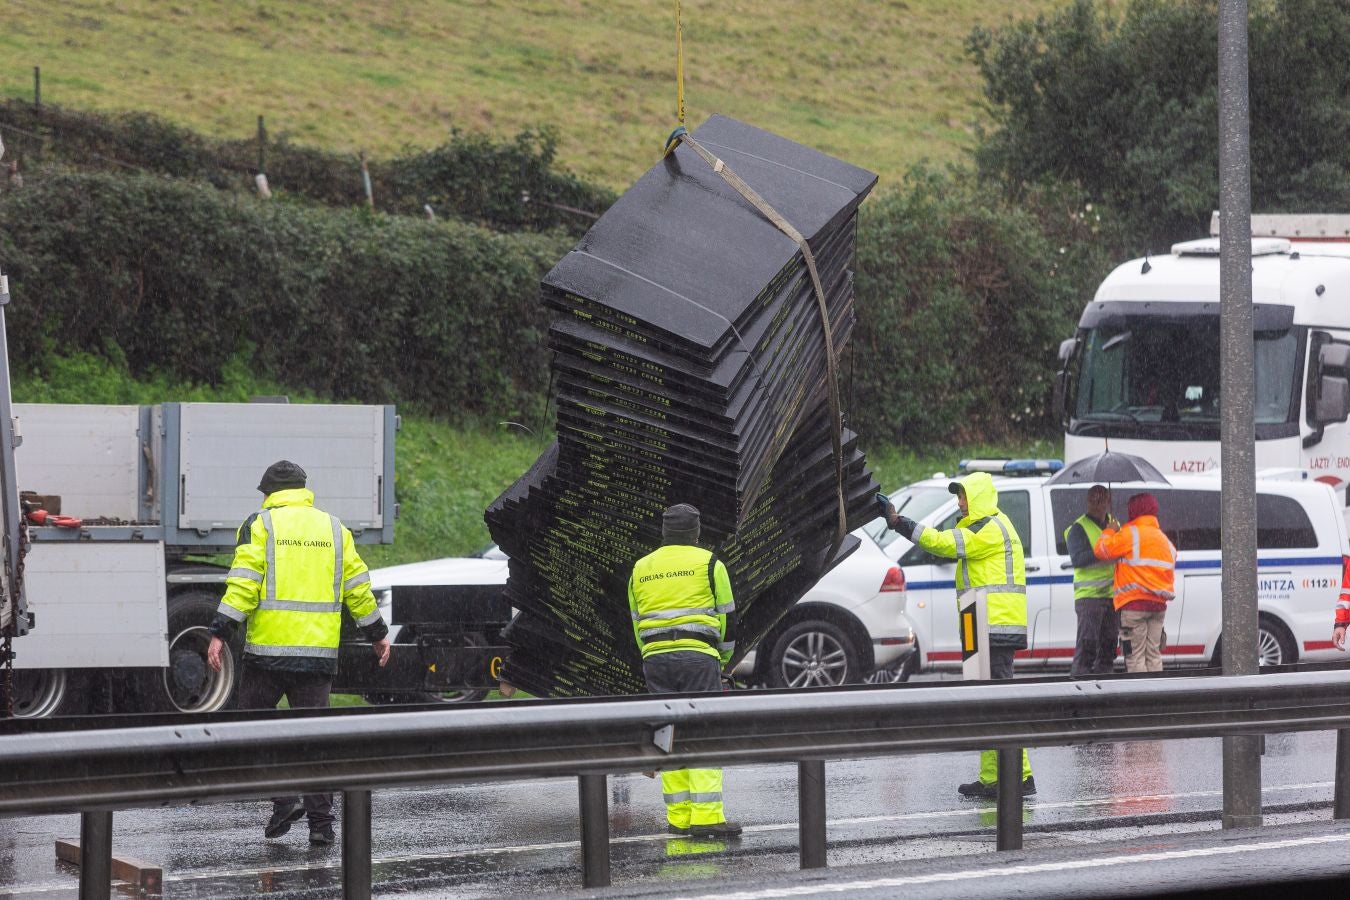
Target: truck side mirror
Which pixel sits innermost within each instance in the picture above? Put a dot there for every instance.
(1333, 400)
(1335, 356)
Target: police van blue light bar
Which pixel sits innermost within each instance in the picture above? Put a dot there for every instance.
(1011, 466)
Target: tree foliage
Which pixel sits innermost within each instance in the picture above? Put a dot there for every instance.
(962, 301)
(1125, 104)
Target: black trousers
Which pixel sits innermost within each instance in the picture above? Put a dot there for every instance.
(682, 672)
(1098, 634)
(262, 688)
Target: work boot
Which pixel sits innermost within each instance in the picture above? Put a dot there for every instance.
(717, 829)
(321, 835)
(282, 817)
(980, 790)
(677, 829)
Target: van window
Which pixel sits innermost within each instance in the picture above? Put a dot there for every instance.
(1016, 505)
(1191, 518)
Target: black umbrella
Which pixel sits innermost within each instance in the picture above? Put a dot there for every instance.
(1107, 467)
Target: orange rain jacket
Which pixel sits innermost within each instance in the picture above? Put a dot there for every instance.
(1146, 561)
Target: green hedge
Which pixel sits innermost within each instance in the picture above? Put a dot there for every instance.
(470, 177)
(961, 299)
(178, 277)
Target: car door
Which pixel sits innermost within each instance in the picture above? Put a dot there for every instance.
(1063, 505)
(1015, 503)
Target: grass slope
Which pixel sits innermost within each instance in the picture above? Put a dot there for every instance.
(881, 83)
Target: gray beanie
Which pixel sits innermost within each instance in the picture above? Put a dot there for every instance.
(680, 524)
(281, 475)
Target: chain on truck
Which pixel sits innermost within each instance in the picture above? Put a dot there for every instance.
(129, 514)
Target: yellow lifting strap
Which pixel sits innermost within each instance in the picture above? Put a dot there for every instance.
(679, 63)
(681, 135)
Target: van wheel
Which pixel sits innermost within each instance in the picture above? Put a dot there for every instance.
(1274, 644)
(814, 653)
(188, 684)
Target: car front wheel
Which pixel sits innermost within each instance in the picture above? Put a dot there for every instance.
(813, 654)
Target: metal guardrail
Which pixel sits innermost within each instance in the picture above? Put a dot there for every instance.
(95, 772)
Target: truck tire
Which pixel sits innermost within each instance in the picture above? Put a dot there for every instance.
(188, 684)
(41, 693)
(813, 653)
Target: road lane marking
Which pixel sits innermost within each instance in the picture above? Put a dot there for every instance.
(909, 881)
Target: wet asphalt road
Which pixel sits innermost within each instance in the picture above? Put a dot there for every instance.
(521, 837)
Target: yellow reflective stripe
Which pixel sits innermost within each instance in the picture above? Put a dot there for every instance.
(271, 552)
(677, 613)
(230, 612)
(307, 606)
(337, 562)
(241, 572)
(279, 650)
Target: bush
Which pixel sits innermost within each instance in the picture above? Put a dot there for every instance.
(509, 185)
(177, 277)
(1126, 106)
(962, 302)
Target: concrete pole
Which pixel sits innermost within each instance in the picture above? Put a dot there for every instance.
(1241, 754)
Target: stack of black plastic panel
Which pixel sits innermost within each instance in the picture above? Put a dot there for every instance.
(690, 364)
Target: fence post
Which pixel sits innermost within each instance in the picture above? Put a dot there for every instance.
(593, 794)
(262, 145)
(1009, 836)
(365, 182)
(811, 812)
(356, 873)
(95, 855)
(1341, 808)
(37, 87)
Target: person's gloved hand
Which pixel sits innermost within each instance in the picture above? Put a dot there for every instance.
(904, 526)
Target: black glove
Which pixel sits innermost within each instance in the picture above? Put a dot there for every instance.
(905, 527)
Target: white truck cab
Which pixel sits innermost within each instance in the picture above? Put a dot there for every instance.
(1301, 543)
(1142, 372)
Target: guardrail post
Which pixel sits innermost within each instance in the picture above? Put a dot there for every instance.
(95, 855)
(811, 812)
(1341, 809)
(593, 793)
(1009, 836)
(356, 845)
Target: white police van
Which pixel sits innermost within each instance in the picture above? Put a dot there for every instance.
(1301, 558)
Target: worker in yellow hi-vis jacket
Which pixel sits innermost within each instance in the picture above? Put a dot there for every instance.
(295, 567)
(988, 554)
(684, 622)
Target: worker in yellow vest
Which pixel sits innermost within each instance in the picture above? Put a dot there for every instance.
(988, 554)
(1093, 588)
(684, 622)
(295, 567)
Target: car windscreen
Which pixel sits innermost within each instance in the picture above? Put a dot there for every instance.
(1191, 518)
(1158, 373)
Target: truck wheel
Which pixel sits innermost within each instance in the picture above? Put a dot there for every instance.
(188, 684)
(813, 653)
(39, 693)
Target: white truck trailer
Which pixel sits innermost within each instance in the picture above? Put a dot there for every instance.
(120, 603)
(1143, 370)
